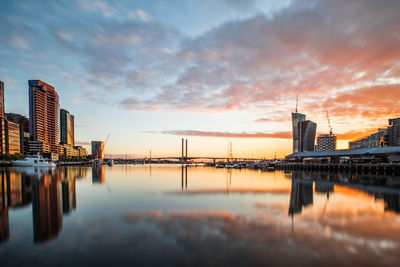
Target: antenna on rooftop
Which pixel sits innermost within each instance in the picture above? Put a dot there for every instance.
(297, 101)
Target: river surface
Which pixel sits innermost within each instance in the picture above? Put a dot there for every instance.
(168, 215)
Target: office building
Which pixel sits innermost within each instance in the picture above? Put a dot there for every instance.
(23, 129)
(326, 142)
(9, 137)
(13, 144)
(296, 119)
(307, 131)
(393, 132)
(44, 115)
(67, 127)
(98, 149)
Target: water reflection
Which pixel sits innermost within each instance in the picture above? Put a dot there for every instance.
(185, 216)
(46, 207)
(184, 174)
(98, 174)
(301, 193)
(301, 196)
(51, 192)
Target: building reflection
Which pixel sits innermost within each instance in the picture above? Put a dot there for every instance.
(68, 196)
(98, 174)
(51, 192)
(301, 194)
(46, 207)
(4, 227)
(392, 202)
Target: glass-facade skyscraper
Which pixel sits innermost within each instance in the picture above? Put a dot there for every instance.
(98, 149)
(67, 127)
(307, 130)
(296, 119)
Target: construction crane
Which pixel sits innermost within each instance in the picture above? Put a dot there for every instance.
(108, 136)
(329, 123)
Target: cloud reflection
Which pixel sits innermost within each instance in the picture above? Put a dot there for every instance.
(222, 237)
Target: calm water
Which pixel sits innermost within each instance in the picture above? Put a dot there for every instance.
(167, 215)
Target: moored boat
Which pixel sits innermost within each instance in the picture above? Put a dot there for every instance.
(33, 161)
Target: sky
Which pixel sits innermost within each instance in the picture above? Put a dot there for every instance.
(152, 72)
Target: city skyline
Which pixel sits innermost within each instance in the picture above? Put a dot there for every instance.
(150, 78)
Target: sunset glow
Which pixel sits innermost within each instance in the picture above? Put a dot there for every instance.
(153, 72)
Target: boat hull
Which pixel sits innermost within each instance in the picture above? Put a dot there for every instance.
(27, 164)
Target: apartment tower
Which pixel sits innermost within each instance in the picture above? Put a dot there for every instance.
(44, 115)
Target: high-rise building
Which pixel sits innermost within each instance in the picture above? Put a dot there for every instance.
(296, 119)
(394, 132)
(23, 129)
(1, 99)
(2, 120)
(326, 142)
(44, 112)
(67, 127)
(307, 130)
(3, 134)
(98, 149)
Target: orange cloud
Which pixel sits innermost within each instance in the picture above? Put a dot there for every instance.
(280, 135)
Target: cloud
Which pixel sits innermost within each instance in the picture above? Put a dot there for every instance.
(373, 102)
(101, 7)
(330, 52)
(282, 135)
(20, 42)
(240, 5)
(352, 135)
(349, 135)
(144, 16)
(316, 48)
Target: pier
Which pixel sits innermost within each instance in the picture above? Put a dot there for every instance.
(367, 168)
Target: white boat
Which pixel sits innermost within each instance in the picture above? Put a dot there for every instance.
(97, 162)
(33, 161)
